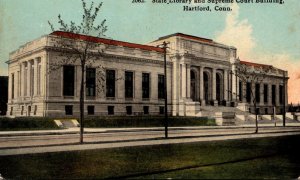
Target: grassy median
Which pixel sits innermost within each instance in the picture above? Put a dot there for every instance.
(239, 159)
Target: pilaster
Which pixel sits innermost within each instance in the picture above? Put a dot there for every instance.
(201, 86)
(225, 85)
(35, 80)
(183, 81)
(188, 83)
(214, 90)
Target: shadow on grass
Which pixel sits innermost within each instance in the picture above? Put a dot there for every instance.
(137, 175)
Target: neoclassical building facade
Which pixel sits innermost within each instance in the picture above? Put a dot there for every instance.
(128, 79)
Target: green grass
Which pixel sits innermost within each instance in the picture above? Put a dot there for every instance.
(26, 123)
(247, 159)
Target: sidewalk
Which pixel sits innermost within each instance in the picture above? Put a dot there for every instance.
(107, 130)
(142, 142)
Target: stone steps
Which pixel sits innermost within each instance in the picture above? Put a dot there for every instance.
(66, 123)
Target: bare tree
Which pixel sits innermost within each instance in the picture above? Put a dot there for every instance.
(83, 51)
(253, 75)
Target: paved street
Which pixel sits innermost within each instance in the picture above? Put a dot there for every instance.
(66, 140)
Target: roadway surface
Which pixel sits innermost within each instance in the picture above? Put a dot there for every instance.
(67, 140)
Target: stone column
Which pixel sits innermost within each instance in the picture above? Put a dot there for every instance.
(137, 85)
(214, 90)
(28, 78)
(183, 81)
(277, 95)
(201, 86)
(188, 81)
(175, 88)
(253, 93)
(35, 80)
(234, 85)
(270, 95)
(261, 93)
(226, 85)
(22, 79)
(286, 92)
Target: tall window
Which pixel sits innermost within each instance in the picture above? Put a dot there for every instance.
(128, 84)
(257, 92)
(90, 82)
(68, 81)
(12, 85)
(161, 90)
(146, 85)
(266, 93)
(281, 94)
(273, 94)
(241, 90)
(110, 83)
(248, 92)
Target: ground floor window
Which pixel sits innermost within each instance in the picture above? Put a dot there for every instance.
(146, 109)
(91, 110)
(110, 110)
(129, 110)
(11, 110)
(69, 110)
(29, 111)
(161, 110)
(22, 110)
(35, 109)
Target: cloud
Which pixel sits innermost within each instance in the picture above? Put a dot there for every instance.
(239, 33)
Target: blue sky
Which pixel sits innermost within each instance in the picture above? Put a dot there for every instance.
(268, 33)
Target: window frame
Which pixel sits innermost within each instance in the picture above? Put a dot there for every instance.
(130, 83)
(110, 84)
(68, 82)
(89, 79)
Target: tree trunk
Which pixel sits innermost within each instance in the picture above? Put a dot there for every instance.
(82, 102)
(256, 119)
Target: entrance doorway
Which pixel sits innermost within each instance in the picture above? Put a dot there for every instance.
(206, 87)
(218, 88)
(193, 86)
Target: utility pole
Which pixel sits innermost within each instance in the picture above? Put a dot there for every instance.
(164, 47)
(165, 88)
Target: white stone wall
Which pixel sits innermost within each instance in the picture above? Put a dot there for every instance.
(42, 93)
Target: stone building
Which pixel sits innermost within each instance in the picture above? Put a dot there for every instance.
(201, 79)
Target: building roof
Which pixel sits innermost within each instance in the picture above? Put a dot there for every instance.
(255, 64)
(188, 37)
(106, 41)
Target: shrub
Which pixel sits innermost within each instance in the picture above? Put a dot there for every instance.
(26, 123)
(146, 121)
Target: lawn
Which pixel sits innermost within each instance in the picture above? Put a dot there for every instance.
(247, 159)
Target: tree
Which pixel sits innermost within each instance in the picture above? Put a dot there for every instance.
(252, 75)
(80, 50)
